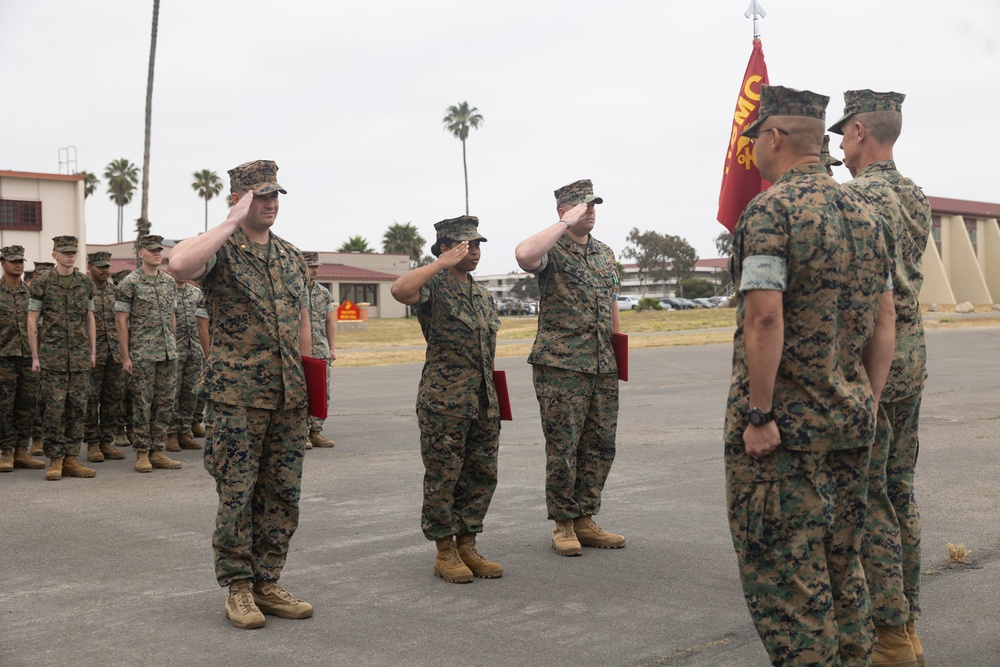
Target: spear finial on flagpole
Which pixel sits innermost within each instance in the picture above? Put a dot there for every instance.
(755, 11)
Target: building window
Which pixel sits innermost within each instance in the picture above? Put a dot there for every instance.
(970, 227)
(359, 293)
(22, 216)
(936, 232)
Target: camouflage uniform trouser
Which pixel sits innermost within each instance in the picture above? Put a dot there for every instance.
(18, 396)
(126, 415)
(256, 459)
(153, 386)
(797, 519)
(460, 471)
(890, 552)
(104, 405)
(199, 409)
(579, 418)
(182, 414)
(65, 396)
(314, 423)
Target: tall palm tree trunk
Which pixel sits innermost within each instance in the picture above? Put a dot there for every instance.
(142, 224)
(206, 214)
(465, 170)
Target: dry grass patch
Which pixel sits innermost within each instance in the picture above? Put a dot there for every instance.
(958, 554)
(378, 345)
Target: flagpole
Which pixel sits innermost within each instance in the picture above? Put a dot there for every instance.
(755, 11)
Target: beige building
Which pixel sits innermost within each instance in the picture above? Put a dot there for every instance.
(962, 261)
(36, 207)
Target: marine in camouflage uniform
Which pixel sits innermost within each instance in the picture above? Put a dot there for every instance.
(255, 289)
(574, 368)
(107, 381)
(145, 316)
(826, 159)
(125, 435)
(457, 406)
(18, 385)
(813, 296)
(321, 319)
(41, 268)
(190, 359)
(891, 549)
(64, 356)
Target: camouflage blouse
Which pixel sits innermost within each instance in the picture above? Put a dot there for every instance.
(190, 308)
(320, 304)
(906, 216)
(578, 284)
(151, 302)
(254, 298)
(14, 320)
(461, 334)
(65, 343)
(812, 240)
(104, 321)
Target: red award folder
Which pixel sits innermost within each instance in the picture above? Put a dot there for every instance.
(315, 370)
(619, 342)
(503, 397)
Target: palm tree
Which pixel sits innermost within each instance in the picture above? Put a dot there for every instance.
(459, 119)
(404, 240)
(355, 244)
(142, 225)
(207, 184)
(122, 177)
(90, 183)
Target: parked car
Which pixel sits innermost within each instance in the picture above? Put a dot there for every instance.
(627, 302)
(678, 303)
(704, 302)
(512, 307)
(664, 305)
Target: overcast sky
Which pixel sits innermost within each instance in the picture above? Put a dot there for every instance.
(348, 98)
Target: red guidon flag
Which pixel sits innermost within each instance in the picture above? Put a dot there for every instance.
(740, 179)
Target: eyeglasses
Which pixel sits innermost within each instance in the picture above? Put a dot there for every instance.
(754, 139)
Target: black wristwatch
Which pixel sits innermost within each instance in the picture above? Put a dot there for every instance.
(758, 418)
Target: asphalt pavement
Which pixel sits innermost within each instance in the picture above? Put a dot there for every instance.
(117, 570)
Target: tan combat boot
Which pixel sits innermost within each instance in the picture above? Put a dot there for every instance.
(37, 447)
(592, 535)
(272, 599)
(893, 647)
(54, 473)
(241, 610)
(22, 459)
(7, 460)
(111, 452)
(142, 463)
(94, 453)
(564, 539)
(162, 461)
(197, 430)
(121, 438)
(186, 442)
(482, 568)
(317, 440)
(73, 468)
(448, 564)
(172, 444)
(918, 650)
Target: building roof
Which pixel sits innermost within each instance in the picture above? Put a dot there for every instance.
(43, 177)
(975, 209)
(344, 272)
